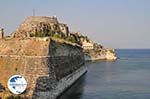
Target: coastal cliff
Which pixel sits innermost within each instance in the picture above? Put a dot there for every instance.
(40, 26)
(94, 51)
(101, 54)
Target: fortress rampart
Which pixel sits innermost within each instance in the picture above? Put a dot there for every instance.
(48, 65)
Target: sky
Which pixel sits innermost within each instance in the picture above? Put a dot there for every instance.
(112, 23)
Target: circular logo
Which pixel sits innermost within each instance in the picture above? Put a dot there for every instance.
(17, 84)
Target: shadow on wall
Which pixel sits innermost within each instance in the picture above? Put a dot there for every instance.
(1, 88)
(42, 85)
(64, 59)
(48, 82)
(76, 90)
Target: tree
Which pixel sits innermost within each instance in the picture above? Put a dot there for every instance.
(71, 39)
(39, 34)
(51, 33)
(56, 35)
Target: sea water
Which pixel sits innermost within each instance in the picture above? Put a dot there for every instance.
(126, 78)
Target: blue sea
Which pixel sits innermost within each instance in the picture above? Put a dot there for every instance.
(126, 78)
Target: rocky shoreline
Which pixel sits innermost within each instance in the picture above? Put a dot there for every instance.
(102, 54)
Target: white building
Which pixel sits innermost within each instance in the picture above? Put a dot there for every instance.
(87, 45)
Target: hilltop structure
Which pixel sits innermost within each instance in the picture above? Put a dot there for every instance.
(48, 55)
(41, 26)
(38, 26)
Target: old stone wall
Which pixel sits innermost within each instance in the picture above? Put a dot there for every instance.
(29, 67)
(42, 61)
(40, 26)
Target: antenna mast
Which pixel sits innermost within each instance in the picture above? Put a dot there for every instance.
(33, 12)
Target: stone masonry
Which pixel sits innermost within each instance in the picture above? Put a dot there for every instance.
(42, 61)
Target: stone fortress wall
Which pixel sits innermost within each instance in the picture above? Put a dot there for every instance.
(48, 55)
(44, 62)
(41, 24)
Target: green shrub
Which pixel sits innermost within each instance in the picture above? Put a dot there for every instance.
(56, 36)
(51, 33)
(71, 39)
(40, 34)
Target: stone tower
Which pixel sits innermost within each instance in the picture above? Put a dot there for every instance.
(64, 29)
(1, 33)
